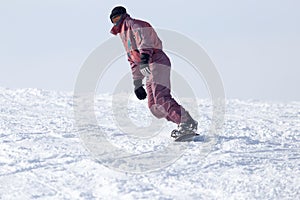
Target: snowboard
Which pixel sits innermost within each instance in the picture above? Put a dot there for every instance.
(190, 137)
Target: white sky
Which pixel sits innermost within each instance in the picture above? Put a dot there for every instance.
(254, 44)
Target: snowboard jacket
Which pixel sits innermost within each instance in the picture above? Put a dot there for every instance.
(139, 37)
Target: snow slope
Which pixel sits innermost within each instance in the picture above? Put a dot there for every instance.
(257, 156)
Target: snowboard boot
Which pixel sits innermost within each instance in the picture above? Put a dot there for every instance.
(190, 126)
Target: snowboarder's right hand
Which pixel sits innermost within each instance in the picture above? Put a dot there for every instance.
(139, 89)
(144, 65)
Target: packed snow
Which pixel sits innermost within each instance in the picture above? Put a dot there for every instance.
(44, 156)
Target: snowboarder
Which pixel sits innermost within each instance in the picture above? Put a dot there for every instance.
(147, 59)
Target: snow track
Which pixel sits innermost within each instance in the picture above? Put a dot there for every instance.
(257, 156)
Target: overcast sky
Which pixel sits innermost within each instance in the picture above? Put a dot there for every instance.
(255, 45)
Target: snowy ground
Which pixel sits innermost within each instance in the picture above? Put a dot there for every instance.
(257, 156)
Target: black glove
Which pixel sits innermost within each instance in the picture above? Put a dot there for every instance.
(139, 89)
(144, 65)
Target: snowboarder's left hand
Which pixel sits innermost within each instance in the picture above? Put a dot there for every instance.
(144, 65)
(139, 89)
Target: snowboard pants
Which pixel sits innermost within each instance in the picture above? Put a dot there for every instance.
(160, 101)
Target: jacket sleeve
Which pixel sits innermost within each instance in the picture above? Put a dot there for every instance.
(136, 74)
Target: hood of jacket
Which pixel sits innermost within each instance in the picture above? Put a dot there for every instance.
(117, 28)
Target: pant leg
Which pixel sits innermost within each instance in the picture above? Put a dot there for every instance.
(167, 104)
(160, 101)
(156, 109)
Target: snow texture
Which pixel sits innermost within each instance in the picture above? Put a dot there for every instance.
(256, 156)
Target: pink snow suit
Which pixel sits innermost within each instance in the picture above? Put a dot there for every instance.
(139, 37)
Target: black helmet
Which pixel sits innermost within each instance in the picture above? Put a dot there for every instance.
(119, 10)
